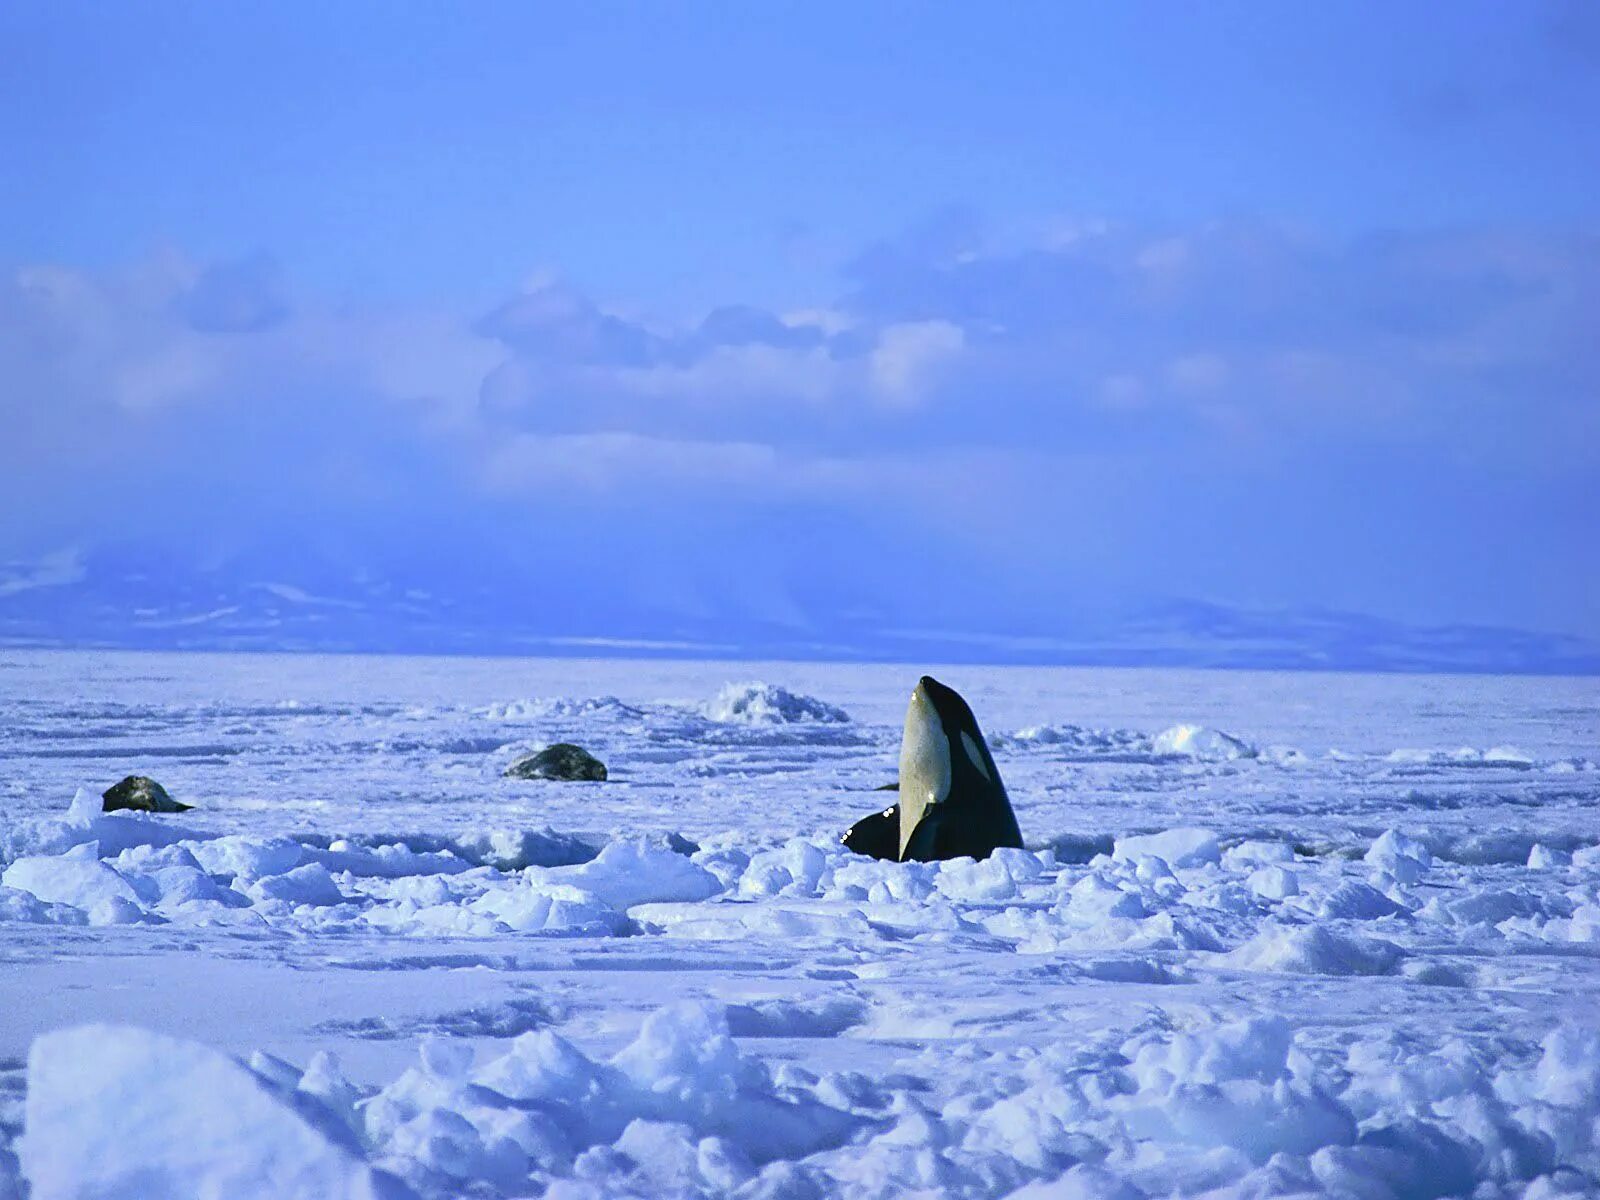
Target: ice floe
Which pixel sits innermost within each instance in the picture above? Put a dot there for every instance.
(367, 966)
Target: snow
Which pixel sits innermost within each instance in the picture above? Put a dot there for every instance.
(1274, 883)
(1402, 858)
(1196, 741)
(768, 703)
(125, 1114)
(633, 872)
(1313, 950)
(367, 965)
(309, 884)
(76, 878)
(1543, 858)
(1174, 847)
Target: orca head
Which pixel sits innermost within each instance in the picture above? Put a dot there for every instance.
(942, 746)
(960, 728)
(944, 761)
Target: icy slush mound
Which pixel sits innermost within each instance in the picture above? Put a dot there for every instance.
(1404, 858)
(124, 1114)
(1195, 742)
(513, 849)
(1232, 1086)
(1081, 740)
(1246, 1109)
(120, 1113)
(679, 1111)
(634, 871)
(1175, 847)
(73, 878)
(768, 704)
(1313, 950)
(1465, 756)
(1199, 742)
(559, 708)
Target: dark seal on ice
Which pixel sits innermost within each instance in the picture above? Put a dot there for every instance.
(141, 794)
(561, 761)
(952, 802)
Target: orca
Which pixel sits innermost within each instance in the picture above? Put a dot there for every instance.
(952, 801)
(877, 836)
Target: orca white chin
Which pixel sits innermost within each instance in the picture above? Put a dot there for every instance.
(924, 763)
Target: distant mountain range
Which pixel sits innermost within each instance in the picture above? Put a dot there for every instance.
(64, 602)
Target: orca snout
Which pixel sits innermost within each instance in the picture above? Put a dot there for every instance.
(944, 699)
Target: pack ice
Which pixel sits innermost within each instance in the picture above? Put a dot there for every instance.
(1327, 952)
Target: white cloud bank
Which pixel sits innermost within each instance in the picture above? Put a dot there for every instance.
(1362, 423)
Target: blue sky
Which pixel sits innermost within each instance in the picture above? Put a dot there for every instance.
(801, 310)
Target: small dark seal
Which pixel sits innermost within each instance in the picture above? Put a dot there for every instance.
(561, 761)
(140, 793)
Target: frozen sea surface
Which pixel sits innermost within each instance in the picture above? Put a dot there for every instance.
(1274, 934)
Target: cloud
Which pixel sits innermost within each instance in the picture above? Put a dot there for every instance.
(638, 464)
(1198, 373)
(144, 338)
(555, 324)
(56, 569)
(1236, 409)
(907, 356)
(746, 325)
(1382, 339)
(235, 297)
(741, 370)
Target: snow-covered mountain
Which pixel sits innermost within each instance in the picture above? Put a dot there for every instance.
(68, 601)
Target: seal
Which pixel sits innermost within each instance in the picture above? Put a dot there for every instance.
(952, 801)
(561, 761)
(140, 793)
